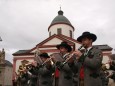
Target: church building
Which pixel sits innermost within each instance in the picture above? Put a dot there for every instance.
(59, 30)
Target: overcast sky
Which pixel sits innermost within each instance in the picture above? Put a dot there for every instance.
(24, 23)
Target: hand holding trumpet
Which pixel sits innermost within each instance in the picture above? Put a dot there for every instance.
(77, 53)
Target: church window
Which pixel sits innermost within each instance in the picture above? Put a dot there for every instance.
(49, 33)
(59, 31)
(70, 33)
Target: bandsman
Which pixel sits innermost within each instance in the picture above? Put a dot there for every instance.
(45, 71)
(66, 69)
(89, 62)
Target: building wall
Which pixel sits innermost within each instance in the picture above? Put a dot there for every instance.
(65, 29)
(106, 56)
(54, 41)
(105, 59)
(2, 69)
(8, 76)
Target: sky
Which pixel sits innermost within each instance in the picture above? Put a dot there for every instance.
(24, 23)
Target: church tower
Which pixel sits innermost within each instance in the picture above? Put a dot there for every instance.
(61, 25)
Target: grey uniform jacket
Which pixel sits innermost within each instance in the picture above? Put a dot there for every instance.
(65, 73)
(45, 76)
(92, 64)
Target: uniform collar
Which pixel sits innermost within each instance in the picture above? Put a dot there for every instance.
(88, 48)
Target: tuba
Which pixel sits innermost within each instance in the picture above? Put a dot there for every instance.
(21, 70)
(25, 68)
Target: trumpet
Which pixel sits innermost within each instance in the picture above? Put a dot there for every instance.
(47, 60)
(71, 55)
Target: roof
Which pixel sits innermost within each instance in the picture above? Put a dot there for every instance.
(103, 47)
(61, 37)
(60, 19)
(8, 63)
(21, 52)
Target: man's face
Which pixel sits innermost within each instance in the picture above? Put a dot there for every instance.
(63, 49)
(86, 42)
(43, 59)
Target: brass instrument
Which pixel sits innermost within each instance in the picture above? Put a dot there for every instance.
(29, 66)
(37, 57)
(22, 69)
(47, 60)
(106, 69)
(105, 66)
(71, 55)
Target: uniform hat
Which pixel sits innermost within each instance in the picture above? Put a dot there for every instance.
(87, 35)
(65, 45)
(44, 55)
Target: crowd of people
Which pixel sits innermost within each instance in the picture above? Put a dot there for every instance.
(81, 67)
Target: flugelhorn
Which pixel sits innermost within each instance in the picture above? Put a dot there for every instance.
(71, 55)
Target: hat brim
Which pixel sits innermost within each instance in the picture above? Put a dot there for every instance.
(65, 46)
(44, 56)
(92, 36)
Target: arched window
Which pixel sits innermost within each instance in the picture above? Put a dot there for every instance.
(49, 33)
(70, 32)
(59, 31)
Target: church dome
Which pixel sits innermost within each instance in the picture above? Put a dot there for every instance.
(60, 19)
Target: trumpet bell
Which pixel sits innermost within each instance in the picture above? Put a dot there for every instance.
(107, 66)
